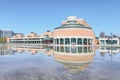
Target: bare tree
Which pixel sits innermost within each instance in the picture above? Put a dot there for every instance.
(102, 35)
(114, 36)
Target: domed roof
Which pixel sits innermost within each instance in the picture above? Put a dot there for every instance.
(74, 22)
(73, 26)
(71, 18)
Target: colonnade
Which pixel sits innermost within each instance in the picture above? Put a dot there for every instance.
(73, 41)
(57, 41)
(32, 40)
(77, 49)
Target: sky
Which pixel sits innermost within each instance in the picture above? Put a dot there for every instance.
(25, 16)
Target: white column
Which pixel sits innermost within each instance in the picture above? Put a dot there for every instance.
(87, 40)
(82, 41)
(76, 41)
(70, 40)
(64, 41)
(59, 41)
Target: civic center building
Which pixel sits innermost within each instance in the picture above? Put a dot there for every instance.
(73, 31)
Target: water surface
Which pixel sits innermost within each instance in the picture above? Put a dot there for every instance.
(59, 63)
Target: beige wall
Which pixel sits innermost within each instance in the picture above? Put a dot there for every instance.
(73, 32)
(74, 58)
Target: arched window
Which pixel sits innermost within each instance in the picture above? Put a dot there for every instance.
(89, 41)
(61, 41)
(61, 49)
(67, 49)
(57, 49)
(79, 41)
(89, 49)
(73, 41)
(67, 41)
(85, 49)
(79, 49)
(85, 41)
(73, 49)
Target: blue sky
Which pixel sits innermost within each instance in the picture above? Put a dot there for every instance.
(38, 16)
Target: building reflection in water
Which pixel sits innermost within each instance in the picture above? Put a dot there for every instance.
(33, 49)
(74, 59)
(108, 50)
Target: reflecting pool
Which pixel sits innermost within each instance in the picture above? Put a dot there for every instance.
(35, 62)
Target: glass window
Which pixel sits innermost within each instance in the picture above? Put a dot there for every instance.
(89, 41)
(57, 49)
(57, 41)
(67, 41)
(61, 49)
(73, 49)
(67, 49)
(73, 41)
(79, 49)
(61, 41)
(114, 41)
(85, 41)
(79, 41)
(85, 49)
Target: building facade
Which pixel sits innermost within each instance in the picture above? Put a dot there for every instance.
(109, 41)
(73, 31)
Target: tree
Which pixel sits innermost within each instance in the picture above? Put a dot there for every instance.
(102, 35)
(3, 40)
(114, 36)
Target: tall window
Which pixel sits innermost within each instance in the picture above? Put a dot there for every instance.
(54, 41)
(61, 41)
(67, 41)
(67, 49)
(89, 49)
(85, 49)
(89, 42)
(79, 49)
(57, 41)
(79, 41)
(73, 49)
(61, 49)
(85, 41)
(57, 49)
(73, 41)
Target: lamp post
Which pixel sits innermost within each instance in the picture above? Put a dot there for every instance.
(111, 46)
